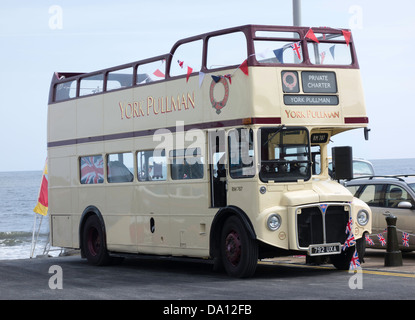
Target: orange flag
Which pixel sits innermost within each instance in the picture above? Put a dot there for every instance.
(310, 35)
(42, 204)
(244, 66)
(189, 72)
(346, 35)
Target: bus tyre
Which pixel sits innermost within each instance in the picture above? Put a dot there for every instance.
(342, 261)
(94, 245)
(239, 252)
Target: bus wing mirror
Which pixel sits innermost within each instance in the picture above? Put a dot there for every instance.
(366, 133)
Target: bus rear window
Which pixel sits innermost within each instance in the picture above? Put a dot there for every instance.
(335, 52)
(279, 51)
(329, 53)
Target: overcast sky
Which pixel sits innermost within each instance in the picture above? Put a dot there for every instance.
(41, 37)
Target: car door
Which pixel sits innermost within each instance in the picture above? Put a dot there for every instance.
(372, 194)
(394, 196)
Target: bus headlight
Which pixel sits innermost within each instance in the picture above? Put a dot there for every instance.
(362, 217)
(274, 222)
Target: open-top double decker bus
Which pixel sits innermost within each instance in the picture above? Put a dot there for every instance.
(210, 150)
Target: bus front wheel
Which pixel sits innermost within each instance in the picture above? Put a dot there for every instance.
(239, 251)
(94, 245)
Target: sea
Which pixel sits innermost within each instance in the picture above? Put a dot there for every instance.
(18, 223)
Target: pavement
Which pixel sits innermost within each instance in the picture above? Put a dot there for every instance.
(374, 260)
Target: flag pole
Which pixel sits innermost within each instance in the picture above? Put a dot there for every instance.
(32, 247)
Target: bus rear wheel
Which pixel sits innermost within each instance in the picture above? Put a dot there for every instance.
(94, 246)
(239, 251)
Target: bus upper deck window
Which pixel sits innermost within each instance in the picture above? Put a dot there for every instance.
(65, 90)
(279, 47)
(329, 53)
(188, 54)
(226, 50)
(151, 71)
(91, 85)
(281, 52)
(117, 79)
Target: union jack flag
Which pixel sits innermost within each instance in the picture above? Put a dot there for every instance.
(92, 169)
(297, 48)
(349, 225)
(382, 239)
(369, 241)
(405, 239)
(350, 241)
(354, 262)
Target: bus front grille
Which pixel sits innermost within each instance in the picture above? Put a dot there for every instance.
(316, 225)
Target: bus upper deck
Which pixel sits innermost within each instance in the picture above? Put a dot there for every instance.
(251, 74)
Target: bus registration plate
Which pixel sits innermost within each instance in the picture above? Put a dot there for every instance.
(321, 249)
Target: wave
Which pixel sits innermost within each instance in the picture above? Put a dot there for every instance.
(16, 238)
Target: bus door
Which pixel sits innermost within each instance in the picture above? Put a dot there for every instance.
(217, 166)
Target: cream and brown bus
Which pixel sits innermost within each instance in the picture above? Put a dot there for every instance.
(217, 150)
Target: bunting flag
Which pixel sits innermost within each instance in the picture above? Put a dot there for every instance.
(382, 239)
(368, 240)
(350, 242)
(322, 57)
(346, 35)
(201, 77)
(216, 78)
(349, 226)
(279, 54)
(158, 73)
(189, 72)
(405, 239)
(310, 35)
(229, 77)
(42, 204)
(180, 63)
(297, 49)
(244, 67)
(354, 262)
(331, 49)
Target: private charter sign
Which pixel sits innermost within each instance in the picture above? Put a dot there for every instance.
(318, 88)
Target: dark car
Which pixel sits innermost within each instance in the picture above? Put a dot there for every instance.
(388, 195)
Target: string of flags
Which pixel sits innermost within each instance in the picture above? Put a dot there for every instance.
(382, 240)
(351, 241)
(296, 47)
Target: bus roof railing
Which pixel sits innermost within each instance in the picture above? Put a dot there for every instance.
(250, 33)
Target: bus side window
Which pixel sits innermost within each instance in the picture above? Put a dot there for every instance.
(120, 167)
(226, 50)
(188, 54)
(186, 164)
(117, 79)
(151, 71)
(91, 85)
(91, 169)
(151, 165)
